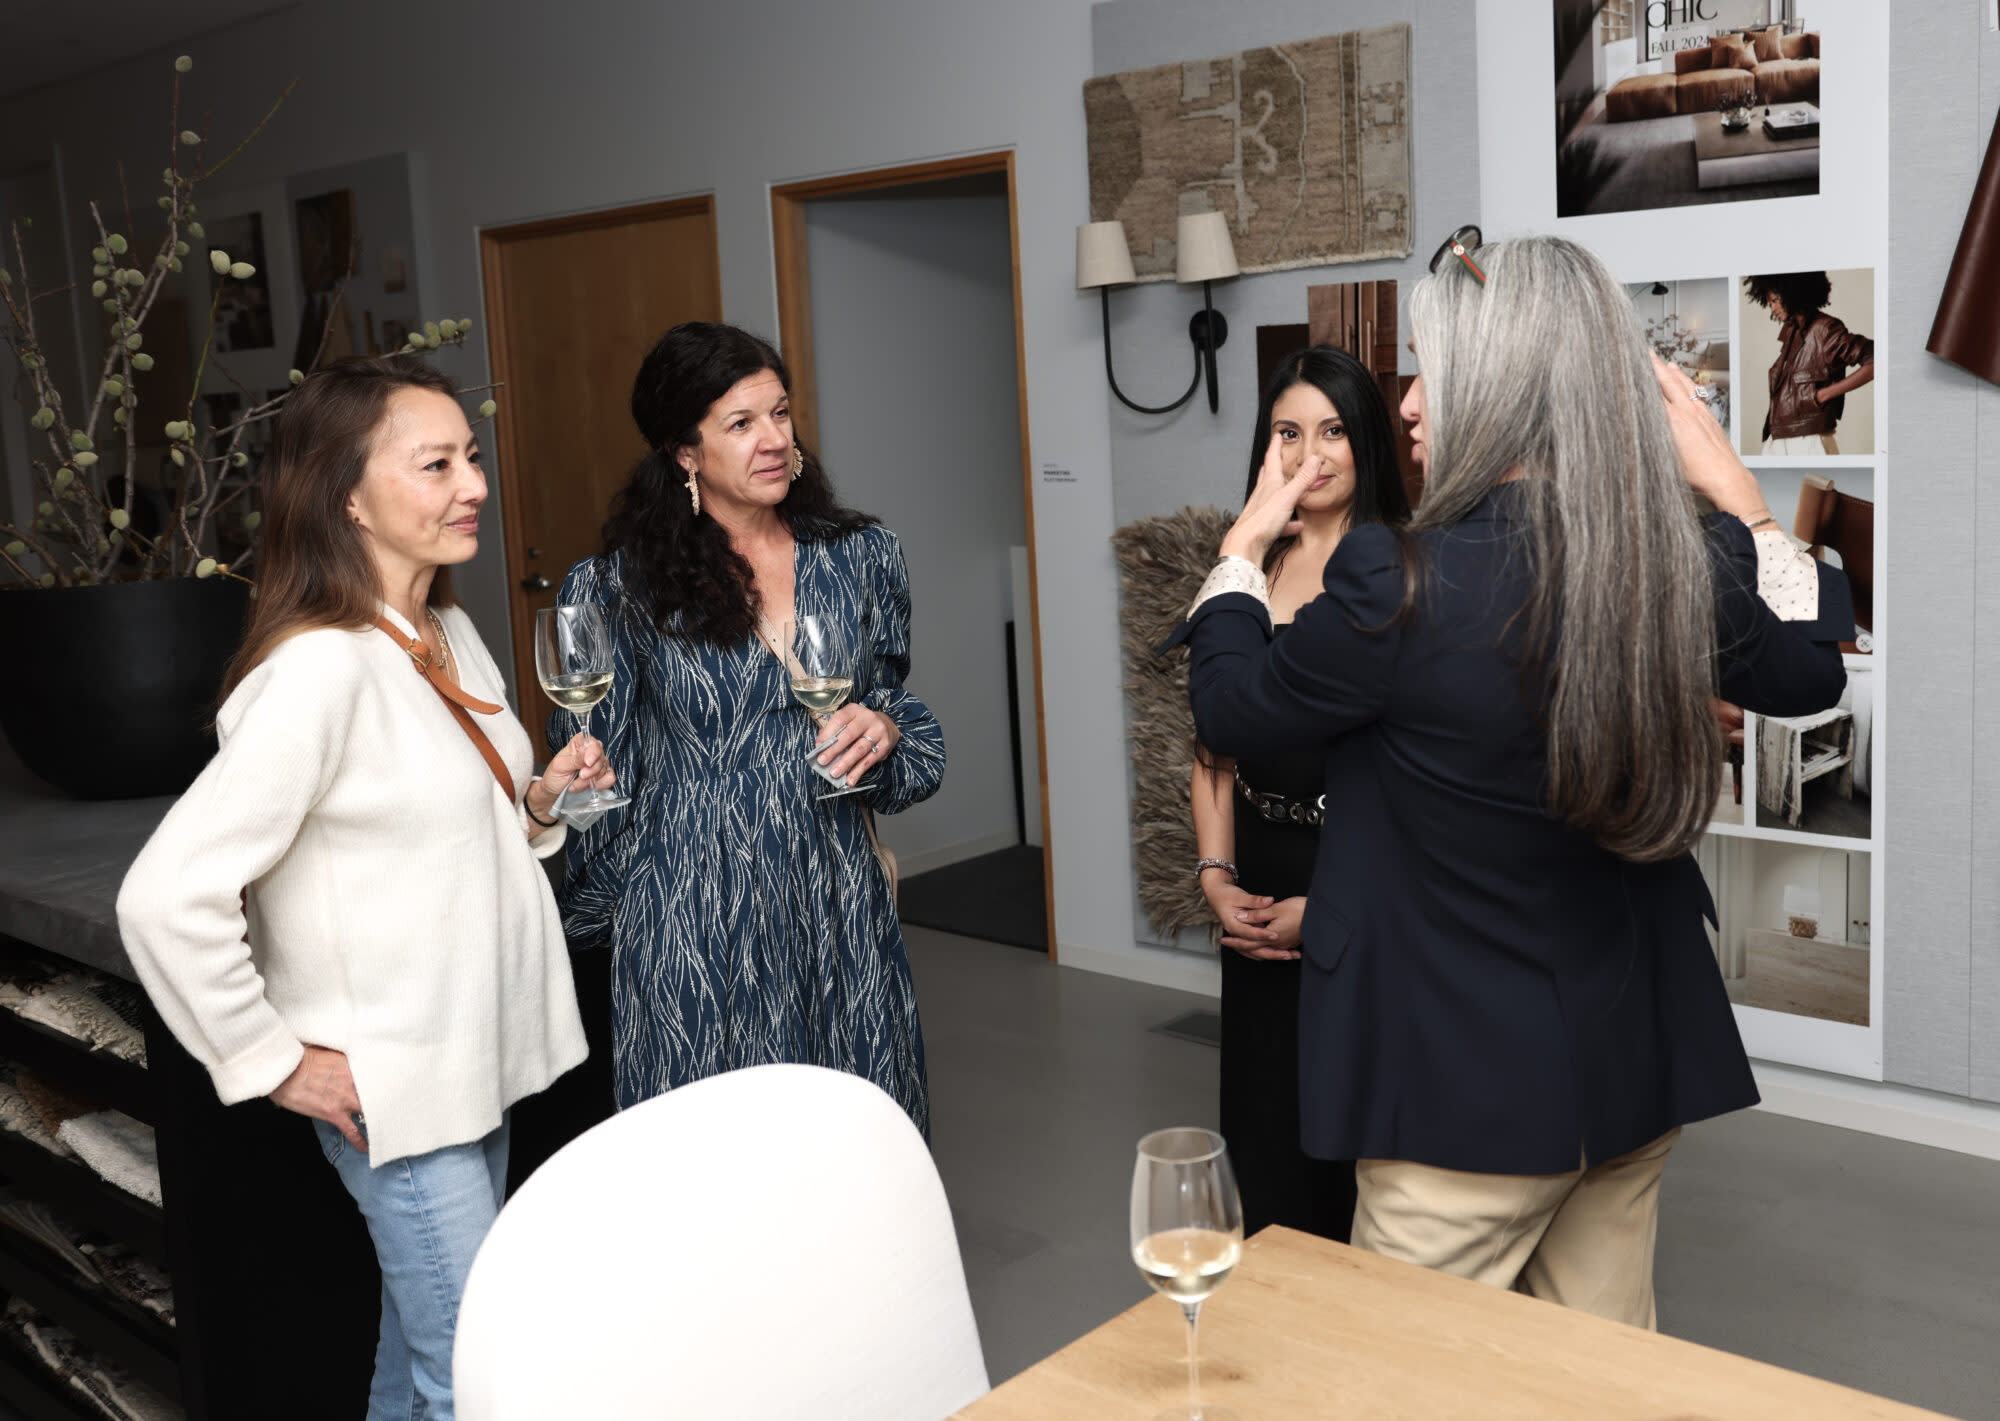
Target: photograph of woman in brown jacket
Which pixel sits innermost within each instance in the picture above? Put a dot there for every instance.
(1819, 362)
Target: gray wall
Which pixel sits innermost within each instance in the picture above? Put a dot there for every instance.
(1941, 994)
(919, 417)
(1163, 462)
(385, 213)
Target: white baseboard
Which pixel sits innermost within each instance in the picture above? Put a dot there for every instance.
(1157, 966)
(1921, 1117)
(911, 862)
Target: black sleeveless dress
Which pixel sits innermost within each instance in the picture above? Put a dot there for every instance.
(1280, 1183)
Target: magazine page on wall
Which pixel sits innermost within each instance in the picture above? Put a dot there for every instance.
(1729, 160)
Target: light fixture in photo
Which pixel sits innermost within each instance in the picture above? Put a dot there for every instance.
(1204, 253)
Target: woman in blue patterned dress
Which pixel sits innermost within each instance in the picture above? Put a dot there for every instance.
(749, 919)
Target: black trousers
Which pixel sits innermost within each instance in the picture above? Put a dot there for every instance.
(1281, 1184)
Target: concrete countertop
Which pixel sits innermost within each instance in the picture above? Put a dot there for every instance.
(61, 861)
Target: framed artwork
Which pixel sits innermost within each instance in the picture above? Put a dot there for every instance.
(243, 319)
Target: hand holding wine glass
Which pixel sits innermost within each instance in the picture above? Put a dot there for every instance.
(575, 664)
(577, 765)
(1187, 1234)
(820, 659)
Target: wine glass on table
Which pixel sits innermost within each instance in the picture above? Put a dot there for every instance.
(1187, 1234)
(574, 662)
(820, 656)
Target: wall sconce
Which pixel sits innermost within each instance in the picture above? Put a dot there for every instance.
(1204, 253)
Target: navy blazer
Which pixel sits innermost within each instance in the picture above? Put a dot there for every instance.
(1486, 989)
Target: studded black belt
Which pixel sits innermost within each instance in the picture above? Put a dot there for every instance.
(1276, 809)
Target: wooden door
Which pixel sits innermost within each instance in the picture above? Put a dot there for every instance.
(573, 304)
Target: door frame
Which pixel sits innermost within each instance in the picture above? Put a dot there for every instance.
(795, 340)
(500, 350)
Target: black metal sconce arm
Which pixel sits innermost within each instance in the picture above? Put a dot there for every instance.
(1206, 329)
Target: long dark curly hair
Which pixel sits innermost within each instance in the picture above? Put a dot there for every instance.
(1803, 292)
(693, 584)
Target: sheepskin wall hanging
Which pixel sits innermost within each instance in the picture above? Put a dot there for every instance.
(1161, 565)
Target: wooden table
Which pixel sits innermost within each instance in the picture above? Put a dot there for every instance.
(1310, 1328)
(1725, 159)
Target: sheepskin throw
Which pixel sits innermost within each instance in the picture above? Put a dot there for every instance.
(1304, 147)
(1161, 564)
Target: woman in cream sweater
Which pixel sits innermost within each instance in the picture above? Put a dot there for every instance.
(401, 979)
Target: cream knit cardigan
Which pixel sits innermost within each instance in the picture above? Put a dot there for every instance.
(397, 911)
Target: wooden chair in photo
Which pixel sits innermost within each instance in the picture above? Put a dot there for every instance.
(1831, 520)
(1793, 751)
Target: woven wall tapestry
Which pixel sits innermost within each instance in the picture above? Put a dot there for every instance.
(1304, 147)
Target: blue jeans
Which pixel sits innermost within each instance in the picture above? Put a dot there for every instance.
(427, 1215)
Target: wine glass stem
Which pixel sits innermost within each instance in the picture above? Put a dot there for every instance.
(582, 719)
(1193, 1311)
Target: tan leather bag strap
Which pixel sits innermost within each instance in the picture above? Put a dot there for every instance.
(885, 856)
(455, 700)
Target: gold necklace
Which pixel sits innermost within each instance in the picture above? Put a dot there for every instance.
(444, 642)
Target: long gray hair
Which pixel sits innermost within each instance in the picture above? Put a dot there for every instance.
(1542, 370)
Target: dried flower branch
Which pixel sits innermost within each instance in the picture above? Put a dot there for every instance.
(79, 533)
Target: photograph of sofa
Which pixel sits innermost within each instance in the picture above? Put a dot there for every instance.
(1722, 106)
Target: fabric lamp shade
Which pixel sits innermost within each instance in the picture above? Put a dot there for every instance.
(1204, 251)
(1102, 256)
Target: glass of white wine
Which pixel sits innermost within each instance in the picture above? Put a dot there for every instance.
(1187, 1234)
(820, 662)
(574, 662)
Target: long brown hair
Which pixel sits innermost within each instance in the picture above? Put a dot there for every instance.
(316, 569)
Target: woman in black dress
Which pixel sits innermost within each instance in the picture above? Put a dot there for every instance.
(1257, 821)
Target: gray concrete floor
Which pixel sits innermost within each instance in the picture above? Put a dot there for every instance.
(1862, 1260)
(1865, 1261)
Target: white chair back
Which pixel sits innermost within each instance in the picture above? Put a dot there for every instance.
(762, 1245)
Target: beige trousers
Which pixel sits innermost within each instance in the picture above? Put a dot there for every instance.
(1582, 1239)
(1802, 444)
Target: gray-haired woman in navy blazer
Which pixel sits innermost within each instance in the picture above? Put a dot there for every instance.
(1510, 1005)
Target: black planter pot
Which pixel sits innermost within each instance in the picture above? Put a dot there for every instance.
(110, 691)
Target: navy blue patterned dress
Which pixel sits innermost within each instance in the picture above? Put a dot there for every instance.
(749, 920)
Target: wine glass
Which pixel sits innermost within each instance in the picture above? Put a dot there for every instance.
(820, 656)
(1187, 1234)
(573, 661)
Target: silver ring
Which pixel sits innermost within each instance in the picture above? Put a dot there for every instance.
(873, 743)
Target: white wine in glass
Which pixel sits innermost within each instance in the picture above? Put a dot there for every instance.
(575, 664)
(822, 695)
(1187, 1234)
(578, 691)
(820, 662)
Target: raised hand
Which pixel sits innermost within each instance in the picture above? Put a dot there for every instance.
(1710, 465)
(1268, 514)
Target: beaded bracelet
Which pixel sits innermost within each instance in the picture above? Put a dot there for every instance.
(1224, 864)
